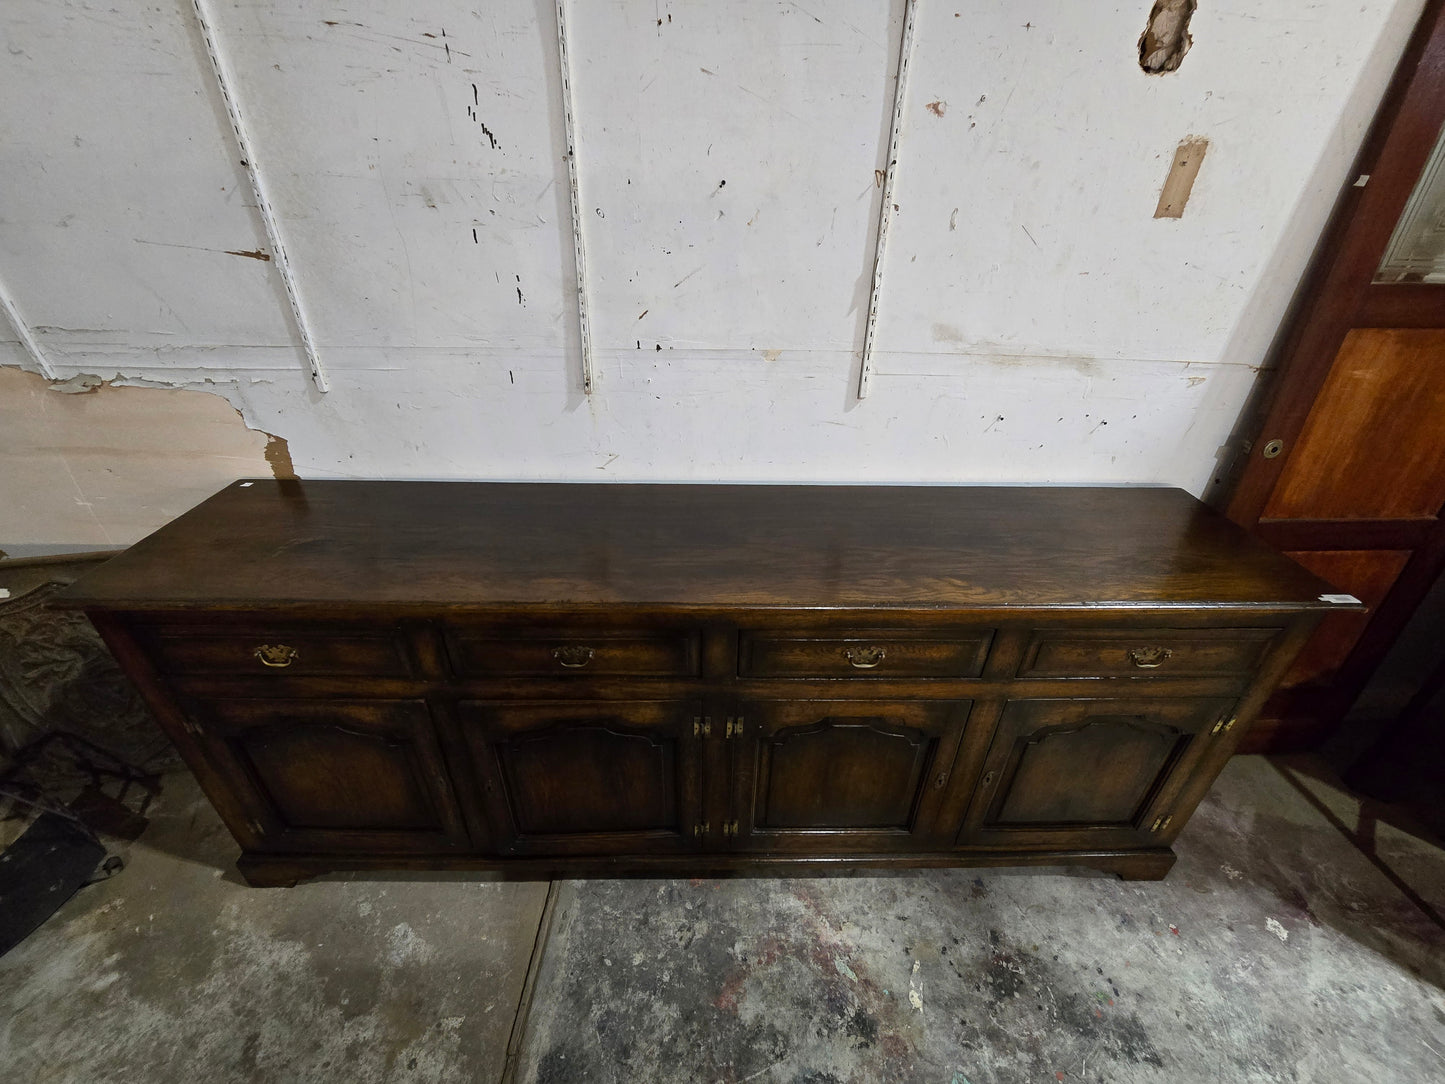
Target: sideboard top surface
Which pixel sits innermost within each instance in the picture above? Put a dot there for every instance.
(474, 544)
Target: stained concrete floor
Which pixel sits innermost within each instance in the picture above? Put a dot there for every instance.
(1298, 939)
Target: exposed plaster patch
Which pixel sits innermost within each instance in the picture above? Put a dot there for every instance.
(78, 384)
(107, 467)
(278, 454)
(1166, 36)
(277, 451)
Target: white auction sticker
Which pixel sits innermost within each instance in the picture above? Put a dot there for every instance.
(1348, 600)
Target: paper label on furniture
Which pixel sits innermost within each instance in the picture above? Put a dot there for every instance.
(1349, 600)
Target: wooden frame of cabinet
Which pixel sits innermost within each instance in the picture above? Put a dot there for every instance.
(619, 737)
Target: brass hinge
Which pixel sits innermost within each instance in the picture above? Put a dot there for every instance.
(1224, 726)
(735, 727)
(255, 826)
(700, 830)
(730, 829)
(1161, 824)
(701, 726)
(191, 725)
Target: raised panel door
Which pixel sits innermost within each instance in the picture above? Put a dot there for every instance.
(333, 775)
(842, 775)
(588, 776)
(1088, 773)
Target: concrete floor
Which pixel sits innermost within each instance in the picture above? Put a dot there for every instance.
(1277, 950)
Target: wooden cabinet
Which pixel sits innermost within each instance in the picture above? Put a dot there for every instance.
(576, 680)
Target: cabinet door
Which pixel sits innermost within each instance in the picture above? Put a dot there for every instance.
(1088, 773)
(333, 775)
(842, 775)
(590, 776)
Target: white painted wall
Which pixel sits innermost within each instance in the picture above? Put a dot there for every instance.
(1037, 324)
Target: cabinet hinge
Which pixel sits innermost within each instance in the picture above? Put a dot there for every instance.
(1161, 824)
(192, 727)
(701, 726)
(730, 829)
(254, 825)
(1224, 726)
(735, 727)
(700, 830)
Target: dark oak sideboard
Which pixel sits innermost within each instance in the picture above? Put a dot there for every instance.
(604, 680)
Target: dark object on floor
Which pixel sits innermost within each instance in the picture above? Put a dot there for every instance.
(56, 675)
(1408, 766)
(65, 773)
(40, 871)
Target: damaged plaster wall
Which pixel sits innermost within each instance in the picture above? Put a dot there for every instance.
(1036, 322)
(105, 467)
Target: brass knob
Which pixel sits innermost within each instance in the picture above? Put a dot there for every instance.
(1149, 658)
(864, 658)
(573, 656)
(275, 655)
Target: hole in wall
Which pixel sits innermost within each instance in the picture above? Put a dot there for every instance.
(1166, 36)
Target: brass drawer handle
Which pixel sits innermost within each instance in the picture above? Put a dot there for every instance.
(573, 656)
(1149, 658)
(865, 658)
(275, 655)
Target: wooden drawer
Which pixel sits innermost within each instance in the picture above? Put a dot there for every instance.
(891, 653)
(1144, 652)
(279, 649)
(524, 652)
